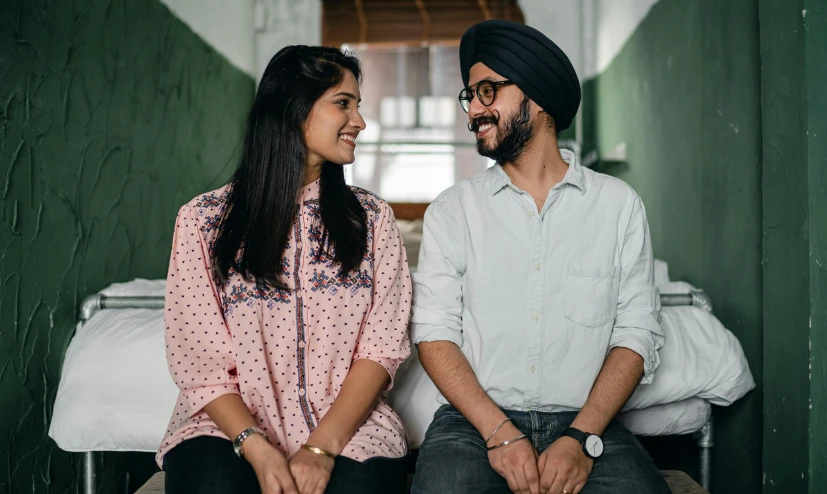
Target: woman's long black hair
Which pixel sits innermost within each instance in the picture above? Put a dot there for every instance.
(261, 205)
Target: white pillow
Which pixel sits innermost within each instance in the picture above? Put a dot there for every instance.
(683, 417)
(115, 391)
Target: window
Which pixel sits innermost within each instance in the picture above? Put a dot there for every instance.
(416, 143)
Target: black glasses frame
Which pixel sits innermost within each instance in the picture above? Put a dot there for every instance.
(467, 95)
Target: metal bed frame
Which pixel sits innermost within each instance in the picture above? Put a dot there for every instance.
(97, 302)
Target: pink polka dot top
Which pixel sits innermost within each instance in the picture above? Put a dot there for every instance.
(286, 352)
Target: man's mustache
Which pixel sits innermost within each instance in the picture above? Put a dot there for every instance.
(474, 125)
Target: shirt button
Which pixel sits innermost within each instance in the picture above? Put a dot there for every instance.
(537, 266)
(301, 344)
(531, 213)
(301, 391)
(533, 368)
(536, 316)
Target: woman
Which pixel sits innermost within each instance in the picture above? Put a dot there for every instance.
(287, 305)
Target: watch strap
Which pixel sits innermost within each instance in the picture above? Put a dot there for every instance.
(575, 434)
(580, 437)
(246, 433)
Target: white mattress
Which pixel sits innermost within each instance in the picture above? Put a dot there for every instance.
(683, 417)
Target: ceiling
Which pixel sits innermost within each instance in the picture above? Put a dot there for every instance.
(408, 22)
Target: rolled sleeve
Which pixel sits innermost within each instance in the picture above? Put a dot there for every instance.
(384, 337)
(198, 398)
(198, 343)
(637, 325)
(437, 312)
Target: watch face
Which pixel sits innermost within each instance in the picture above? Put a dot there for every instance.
(594, 445)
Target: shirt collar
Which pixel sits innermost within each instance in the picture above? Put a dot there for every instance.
(498, 179)
(309, 191)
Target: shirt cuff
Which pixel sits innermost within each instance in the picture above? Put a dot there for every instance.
(643, 342)
(390, 365)
(426, 333)
(198, 398)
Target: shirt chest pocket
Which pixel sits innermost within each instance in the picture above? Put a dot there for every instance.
(591, 294)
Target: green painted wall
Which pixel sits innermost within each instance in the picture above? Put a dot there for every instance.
(684, 95)
(112, 114)
(794, 107)
(786, 247)
(815, 28)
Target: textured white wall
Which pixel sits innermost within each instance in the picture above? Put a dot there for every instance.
(285, 22)
(615, 21)
(560, 20)
(226, 25)
(249, 32)
(591, 32)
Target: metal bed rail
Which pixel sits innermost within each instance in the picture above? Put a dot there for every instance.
(704, 437)
(92, 305)
(97, 302)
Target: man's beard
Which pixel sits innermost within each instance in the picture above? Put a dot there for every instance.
(513, 136)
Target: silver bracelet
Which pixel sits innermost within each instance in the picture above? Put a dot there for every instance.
(495, 430)
(506, 443)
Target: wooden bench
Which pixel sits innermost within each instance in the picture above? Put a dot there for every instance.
(679, 482)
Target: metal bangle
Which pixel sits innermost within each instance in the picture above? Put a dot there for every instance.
(318, 451)
(506, 443)
(495, 430)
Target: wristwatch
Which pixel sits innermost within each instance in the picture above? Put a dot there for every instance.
(591, 443)
(237, 442)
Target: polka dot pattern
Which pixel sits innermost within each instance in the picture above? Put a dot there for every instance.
(286, 353)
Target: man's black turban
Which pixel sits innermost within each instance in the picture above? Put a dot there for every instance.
(531, 60)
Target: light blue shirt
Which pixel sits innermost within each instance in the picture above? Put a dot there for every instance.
(536, 299)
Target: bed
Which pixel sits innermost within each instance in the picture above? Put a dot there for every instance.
(119, 345)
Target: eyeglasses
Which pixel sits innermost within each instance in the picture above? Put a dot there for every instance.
(486, 91)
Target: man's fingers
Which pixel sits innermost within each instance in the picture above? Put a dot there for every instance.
(512, 483)
(519, 476)
(559, 483)
(547, 480)
(569, 487)
(532, 477)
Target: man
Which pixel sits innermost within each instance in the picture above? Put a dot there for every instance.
(535, 310)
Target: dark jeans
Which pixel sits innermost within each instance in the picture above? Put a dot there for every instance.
(208, 465)
(453, 458)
